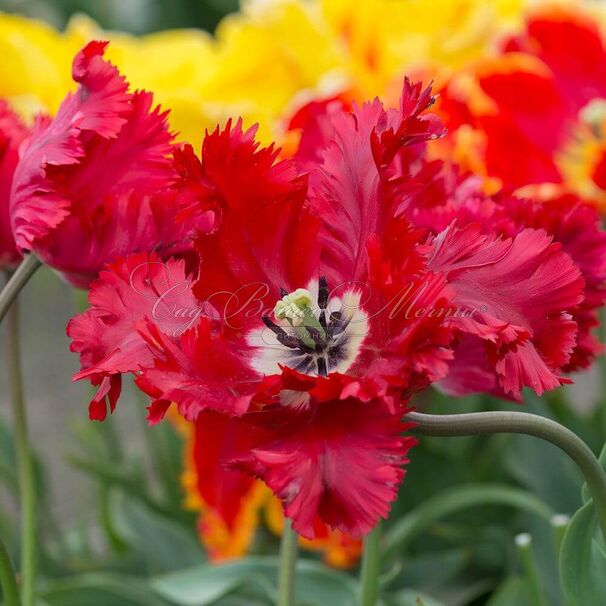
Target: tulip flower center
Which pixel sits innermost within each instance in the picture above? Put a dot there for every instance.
(582, 158)
(294, 306)
(312, 334)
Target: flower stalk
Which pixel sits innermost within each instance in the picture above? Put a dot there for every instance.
(16, 282)
(524, 423)
(8, 578)
(527, 556)
(371, 567)
(289, 548)
(25, 468)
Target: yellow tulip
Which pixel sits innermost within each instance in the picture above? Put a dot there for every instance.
(263, 61)
(173, 64)
(34, 65)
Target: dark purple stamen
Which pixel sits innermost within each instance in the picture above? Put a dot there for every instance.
(323, 293)
(283, 337)
(325, 350)
(322, 370)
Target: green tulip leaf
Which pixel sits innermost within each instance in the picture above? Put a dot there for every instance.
(100, 590)
(583, 560)
(317, 585)
(514, 591)
(410, 597)
(162, 543)
(457, 499)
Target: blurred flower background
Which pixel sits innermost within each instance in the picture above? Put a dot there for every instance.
(125, 498)
(136, 16)
(36, 72)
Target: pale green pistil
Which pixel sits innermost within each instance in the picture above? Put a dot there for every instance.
(294, 306)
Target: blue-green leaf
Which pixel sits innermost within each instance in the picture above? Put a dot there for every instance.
(583, 561)
(457, 499)
(410, 597)
(163, 544)
(513, 592)
(204, 585)
(100, 590)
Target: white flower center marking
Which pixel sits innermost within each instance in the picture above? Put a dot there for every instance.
(312, 338)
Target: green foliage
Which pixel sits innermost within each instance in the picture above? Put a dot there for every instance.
(514, 591)
(448, 542)
(137, 16)
(456, 499)
(100, 590)
(207, 585)
(583, 560)
(159, 543)
(583, 556)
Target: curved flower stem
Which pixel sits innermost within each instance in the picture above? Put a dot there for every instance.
(601, 362)
(25, 469)
(8, 578)
(524, 423)
(371, 566)
(17, 281)
(289, 548)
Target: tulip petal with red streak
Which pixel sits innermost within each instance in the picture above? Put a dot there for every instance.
(353, 190)
(409, 338)
(126, 294)
(470, 371)
(341, 458)
(579, 66)
(529, 126)
(575, 225)
(96, 182)
(519, 291)
(12, 133)
(263, 229)
(39, 205)
(229, 500)
(200, 370)
(339, 549)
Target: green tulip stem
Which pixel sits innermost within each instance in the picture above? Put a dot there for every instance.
(527, 556)
(523, 423)
(371, 567)
(287, 573)
(8, 579)
(25, 467)
(16, 282)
